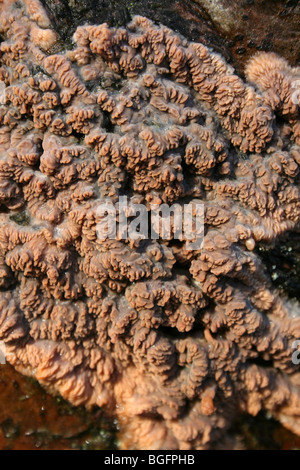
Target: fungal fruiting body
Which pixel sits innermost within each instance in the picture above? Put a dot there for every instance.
(177, 342)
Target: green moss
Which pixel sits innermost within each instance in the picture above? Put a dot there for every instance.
(21, 218)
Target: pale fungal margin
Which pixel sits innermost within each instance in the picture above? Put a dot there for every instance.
(177, 342)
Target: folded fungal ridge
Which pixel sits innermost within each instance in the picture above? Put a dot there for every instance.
(176, 342)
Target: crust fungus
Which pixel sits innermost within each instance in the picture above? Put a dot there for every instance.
(177, 342)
